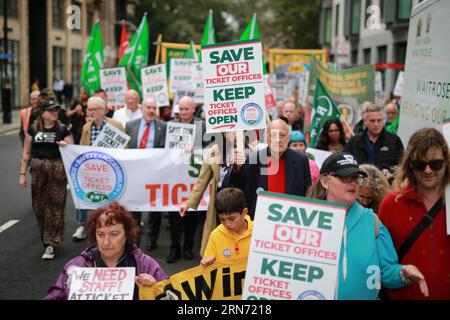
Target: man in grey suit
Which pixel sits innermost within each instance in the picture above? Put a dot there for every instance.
(148, 132)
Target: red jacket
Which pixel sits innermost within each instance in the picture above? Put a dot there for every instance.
(431, 251)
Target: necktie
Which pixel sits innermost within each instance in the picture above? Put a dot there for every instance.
(144, 139)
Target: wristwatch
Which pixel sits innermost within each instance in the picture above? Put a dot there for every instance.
(405, 280)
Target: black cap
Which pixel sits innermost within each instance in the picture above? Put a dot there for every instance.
(342, 164)
(48, 105)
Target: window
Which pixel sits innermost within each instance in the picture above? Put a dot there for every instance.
(403, 9)
(58, 14)
(367, 56)
(336, 25)
(76, 68)
(355, 56)
(59, 69)
(13, 72)
(90, 22)
(355, 17)
(382, 58)
(13, 8)
(327, 31)
(382, 10)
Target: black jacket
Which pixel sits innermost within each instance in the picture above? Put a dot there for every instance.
(250, 180)
(388, 149)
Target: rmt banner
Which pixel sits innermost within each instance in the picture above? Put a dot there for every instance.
(233, 86)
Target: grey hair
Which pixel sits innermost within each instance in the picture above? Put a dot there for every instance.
(97, 101)
(372, 107)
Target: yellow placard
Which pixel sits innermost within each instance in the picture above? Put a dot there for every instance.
(219, 281)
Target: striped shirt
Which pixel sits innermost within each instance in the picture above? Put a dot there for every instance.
(96, 131)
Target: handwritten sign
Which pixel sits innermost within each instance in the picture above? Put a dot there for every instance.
(114, 82)
(154, 84)
(111, 137)
(101, 283)
(234, 87)
(295, 248)
(179, 135)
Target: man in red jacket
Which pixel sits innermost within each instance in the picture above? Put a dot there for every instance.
(420, 182)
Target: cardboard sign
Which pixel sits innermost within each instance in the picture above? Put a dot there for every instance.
(154, 84)
(111, 137)
(179, 135)
(114, 82)
(234, 87)
(101, 283)
(198, 82)
(295, 248)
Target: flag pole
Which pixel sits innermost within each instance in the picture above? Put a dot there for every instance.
(347, 125)
(158, 48)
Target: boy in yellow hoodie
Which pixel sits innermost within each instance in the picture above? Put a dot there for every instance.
(231, 239)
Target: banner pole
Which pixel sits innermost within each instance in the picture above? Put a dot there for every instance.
(158, 48)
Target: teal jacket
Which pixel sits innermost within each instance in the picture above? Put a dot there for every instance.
(368, 257)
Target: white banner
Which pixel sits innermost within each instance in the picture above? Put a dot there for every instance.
(114, 82)
(154, 84)
(295, 249)
(101, 283)
(139, 179)
(426, 89)
(111, 137)
(234, 87)
(179, 135)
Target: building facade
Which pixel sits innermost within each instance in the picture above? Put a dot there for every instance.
(48, 39)
(361, 32)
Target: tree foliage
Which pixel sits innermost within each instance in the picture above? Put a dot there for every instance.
(292, 24)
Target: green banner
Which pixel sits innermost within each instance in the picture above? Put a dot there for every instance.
(348, 87)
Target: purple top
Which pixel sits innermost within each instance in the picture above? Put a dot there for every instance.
(144, 264)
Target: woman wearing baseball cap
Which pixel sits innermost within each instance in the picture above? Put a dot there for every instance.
(48, 178)
(368, 256)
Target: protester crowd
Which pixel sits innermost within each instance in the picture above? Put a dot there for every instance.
(387, 190)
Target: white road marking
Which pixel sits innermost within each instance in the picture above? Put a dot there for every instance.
(7, 225)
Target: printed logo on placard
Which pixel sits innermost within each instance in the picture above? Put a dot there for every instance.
(97, 178)
(251, 114)
(227, 252)
(162, 97)
(311, 295)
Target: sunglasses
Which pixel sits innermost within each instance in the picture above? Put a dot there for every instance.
(348, 179)
(434, 165)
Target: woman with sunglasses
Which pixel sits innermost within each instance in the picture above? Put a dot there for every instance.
(367, 254)
(419, 184)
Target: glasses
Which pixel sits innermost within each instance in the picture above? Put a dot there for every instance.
(348, 179)
(434, 165)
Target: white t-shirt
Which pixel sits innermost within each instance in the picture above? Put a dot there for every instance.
(124, 115)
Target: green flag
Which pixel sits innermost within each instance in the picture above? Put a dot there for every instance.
(191, 53)
(251, 32)
(209, 36)
(136, 55)
(324, 109)
(93, 61)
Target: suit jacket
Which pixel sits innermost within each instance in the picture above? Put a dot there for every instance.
(250, 180)
(87, 129)
(132, 129)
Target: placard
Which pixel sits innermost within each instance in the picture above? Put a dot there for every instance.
(154, 84)
(179, 135)
(111, 137)
(114, 82)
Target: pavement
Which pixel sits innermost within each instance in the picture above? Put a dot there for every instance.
(15, 122)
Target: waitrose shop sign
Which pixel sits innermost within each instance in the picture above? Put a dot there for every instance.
(234, 86)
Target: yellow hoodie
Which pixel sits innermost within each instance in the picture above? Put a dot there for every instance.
(228, 246)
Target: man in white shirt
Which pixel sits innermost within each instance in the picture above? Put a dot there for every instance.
(132, 108)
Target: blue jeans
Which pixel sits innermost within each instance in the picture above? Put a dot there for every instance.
(81, 216)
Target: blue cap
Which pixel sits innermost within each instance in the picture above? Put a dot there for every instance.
(297, 136)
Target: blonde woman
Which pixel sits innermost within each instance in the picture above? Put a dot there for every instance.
(373, 188)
